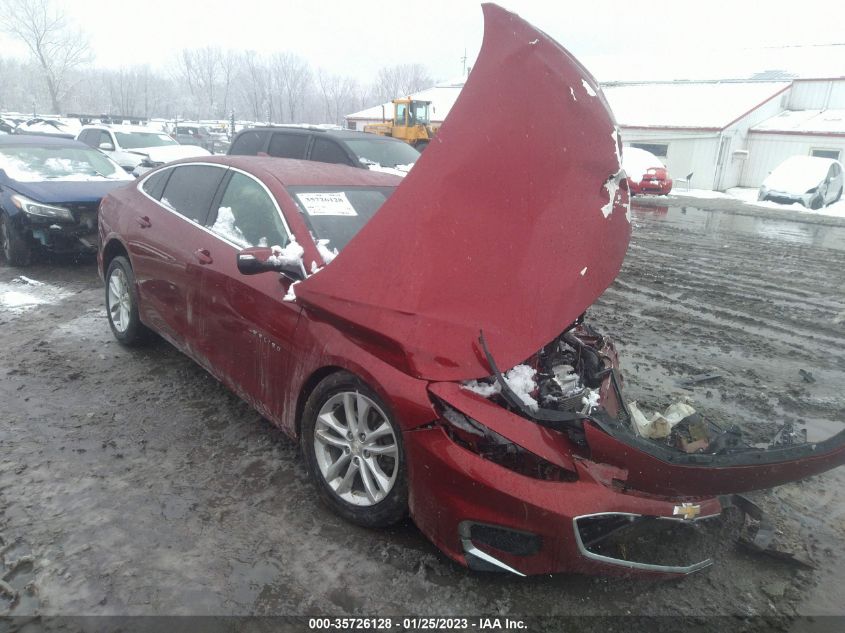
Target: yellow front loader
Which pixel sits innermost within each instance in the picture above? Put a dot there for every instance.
(410, 123)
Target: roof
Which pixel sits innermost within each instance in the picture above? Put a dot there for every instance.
(301, 173)
(687, 105)
(442, 97)
(335, 133)
(43, 140)
(808, 122)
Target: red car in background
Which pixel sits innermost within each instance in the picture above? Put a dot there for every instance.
(424, 338)
(645, 171)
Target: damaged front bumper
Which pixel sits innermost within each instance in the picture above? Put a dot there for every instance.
(499, 485)
(489, 518)
(62, 236)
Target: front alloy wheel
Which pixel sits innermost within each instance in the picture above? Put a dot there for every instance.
(353, 449)
(356, 449)
(122, 303)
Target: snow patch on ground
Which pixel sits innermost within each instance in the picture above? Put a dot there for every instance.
(749, 196)
(23, 294)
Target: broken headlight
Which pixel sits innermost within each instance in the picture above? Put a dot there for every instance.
(475, 437)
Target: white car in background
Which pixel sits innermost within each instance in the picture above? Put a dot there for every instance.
(137, 149)
(812, 181)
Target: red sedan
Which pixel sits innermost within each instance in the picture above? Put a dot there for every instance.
(646, 173)
(424, 339)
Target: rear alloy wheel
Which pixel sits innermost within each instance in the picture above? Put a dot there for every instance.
(122, 303)
(15, 249)
(354, 452)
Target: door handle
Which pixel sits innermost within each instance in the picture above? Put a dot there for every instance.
(143, 221)
(203, 256)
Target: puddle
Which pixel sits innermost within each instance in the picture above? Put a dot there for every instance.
(715, 223)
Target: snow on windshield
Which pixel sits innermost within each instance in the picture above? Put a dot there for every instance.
(35, 164)
(798, 174)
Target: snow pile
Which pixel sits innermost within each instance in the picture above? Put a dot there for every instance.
(290, 295)
(591, 400)
(224, 226)
(290, 255)
(798, 174)
(520, 379)
(399, 170)
(325, 252)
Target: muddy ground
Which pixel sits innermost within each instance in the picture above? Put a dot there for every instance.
(139, 485)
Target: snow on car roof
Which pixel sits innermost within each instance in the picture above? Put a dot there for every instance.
(797, 174)
(805, 121)
(709, 105)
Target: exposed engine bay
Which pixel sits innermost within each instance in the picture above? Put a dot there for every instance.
(576, 377)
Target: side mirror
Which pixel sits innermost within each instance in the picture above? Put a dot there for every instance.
(252, 261)
(106, 146)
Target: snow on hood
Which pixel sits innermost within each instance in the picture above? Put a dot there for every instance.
(637, 162)
(493, 226)
(798, 174)
(167, 153)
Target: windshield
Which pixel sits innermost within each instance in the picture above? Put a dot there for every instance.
(132, 140)
(30, 163)
(383, 152)
(337, 214)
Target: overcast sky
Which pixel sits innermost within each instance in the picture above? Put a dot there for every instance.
(357, 38)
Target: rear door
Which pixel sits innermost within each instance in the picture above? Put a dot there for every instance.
(244, 330)
(168, 242)
(288, 145)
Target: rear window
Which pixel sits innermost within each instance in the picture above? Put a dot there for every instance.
(248, 143)
(154, 185)
(325, 151)
(288, 145)
(191, 189)
(337, 214)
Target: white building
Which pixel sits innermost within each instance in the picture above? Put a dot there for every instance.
(726, 133)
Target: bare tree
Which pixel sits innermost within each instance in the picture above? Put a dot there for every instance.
(339, 95)
(401, 80)
(57, 47)
(252, 79)
(291, 80)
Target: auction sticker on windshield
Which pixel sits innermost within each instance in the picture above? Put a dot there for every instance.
(326, 203)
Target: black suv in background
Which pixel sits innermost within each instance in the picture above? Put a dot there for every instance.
(358, 149)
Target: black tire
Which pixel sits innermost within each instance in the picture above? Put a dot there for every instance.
(393, 507)
(132, 332)
(16, 250)
(817, 202)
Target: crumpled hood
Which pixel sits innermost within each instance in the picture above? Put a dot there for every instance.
(167, 153)
(510, 222)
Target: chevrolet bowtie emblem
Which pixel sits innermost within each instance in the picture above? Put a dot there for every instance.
(687, 510)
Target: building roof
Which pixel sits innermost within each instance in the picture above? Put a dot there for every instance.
(687, 105)
(808, 122)
(442, 97)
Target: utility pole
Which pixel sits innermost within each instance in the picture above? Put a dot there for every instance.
(464, 63)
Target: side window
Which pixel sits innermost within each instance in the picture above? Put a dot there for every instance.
(154, 185)
(247, 215)
(248, 143)
(104, 138)
(327, 151)
(87, 137)
(190, 190)
(288, 145)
